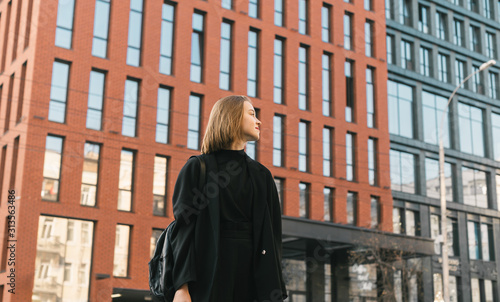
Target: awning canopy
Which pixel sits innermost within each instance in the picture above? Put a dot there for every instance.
(297, 232)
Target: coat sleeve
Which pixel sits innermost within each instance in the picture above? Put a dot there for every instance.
(275, 209)
(185, 213)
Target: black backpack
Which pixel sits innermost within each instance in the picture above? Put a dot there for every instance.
(160, 266)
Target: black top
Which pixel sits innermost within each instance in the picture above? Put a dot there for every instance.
(234, 185)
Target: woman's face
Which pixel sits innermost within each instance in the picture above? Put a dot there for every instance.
(251, 125)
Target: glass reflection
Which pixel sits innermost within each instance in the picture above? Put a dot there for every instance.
(63, 259)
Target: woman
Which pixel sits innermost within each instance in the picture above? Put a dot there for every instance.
(227, 238)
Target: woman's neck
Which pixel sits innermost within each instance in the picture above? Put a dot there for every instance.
(239, 145)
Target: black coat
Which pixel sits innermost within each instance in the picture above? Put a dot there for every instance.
(195, 238)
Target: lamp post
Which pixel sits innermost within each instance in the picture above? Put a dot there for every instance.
(444, 253)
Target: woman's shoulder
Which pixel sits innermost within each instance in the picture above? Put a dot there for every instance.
(260, 167)
(192, 166)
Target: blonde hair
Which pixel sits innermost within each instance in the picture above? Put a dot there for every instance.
(225, 124)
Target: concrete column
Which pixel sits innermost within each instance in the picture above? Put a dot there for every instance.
(315, 267)
(340, 273)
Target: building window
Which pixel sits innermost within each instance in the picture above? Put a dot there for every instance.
(477, 81)
(423, 18)
(197, 41)
(193, 137)
(90, 175)
(160, 186)
(425, 68)
(326, 61)
(471, 129)
(95, 100)
(28, 24)
(327, 151)
(227, 4)
(278, 141)
(135, 33)
(493, 78)
(162, 115)
(351, 206)
(21, 93)
(120, 260)
(433, 188)
(155, 235)
(101, 28)
(481, 245)
(441, 25)
(368, 5)
(437, 284)
(472, 5)
(130, 108)
(390, 49)
(52, 168)
(374, 211)
(388, 9)
(225, 56)
(498, 190)
(303, 12)
(349, 87)
(479, 295)
(400, 109)
(253, 9)
(253, 63)
(9, 103)
(404, 12)
(350, 156)
(304, 200)
(474, 38)
(348, 31)
(459, 71)
(372, 162)
(2, 171)
(278, 12)
(303, 146)
(495, 125)
(370, 97)
(488, 12)
(433, 107)
(279, 70)
(474, 187)
(325, 23)
(443, 67)
(251, 146)
(280, 187)
(369, 38)
(453, 244)
(167, 38)
(402, 171)
(406, 55)
(328, 204)
(490, 45)
(59, 92)
(451, 233)
(64, 29)
(405, 221)
(6, 35)
(303, 75)
(360, 272)
(458, 37)
(125, 180)
(55, 249)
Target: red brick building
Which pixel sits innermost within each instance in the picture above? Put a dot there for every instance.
(102, 102)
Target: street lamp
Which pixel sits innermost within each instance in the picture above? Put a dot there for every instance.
(444, 253)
